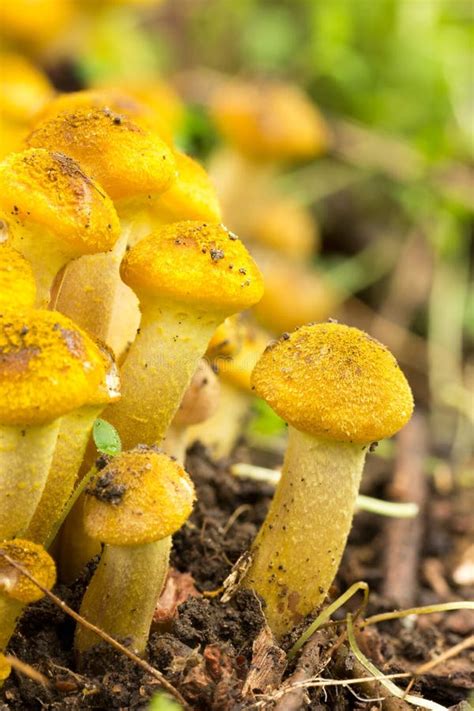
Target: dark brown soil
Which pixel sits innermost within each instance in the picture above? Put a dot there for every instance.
(206, 650)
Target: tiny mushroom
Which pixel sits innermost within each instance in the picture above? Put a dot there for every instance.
(189, 276)
(16, 590)
(339, 390)
(53, 213)
(133, 506)
(48, 368)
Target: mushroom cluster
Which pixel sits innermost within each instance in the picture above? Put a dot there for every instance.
(121, 295)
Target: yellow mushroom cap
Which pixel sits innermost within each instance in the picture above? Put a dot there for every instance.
(35, 560)
(161, 98)
(12, 135)
(48, 367)
(195, 262)
(17, 283)
(5, 668)
(287, 227)
(140, 497)
(51, 190)
(191, 197)
(122, 156)
(24, 89)
(269, 121)
(117, 100)
(294, 294)
(335, 382)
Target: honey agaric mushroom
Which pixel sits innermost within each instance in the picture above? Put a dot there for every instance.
(17, 283)
(133, 506)
(189, 276)
(339, 390)
(73, 436)
(53, 213)
(134, 166)
(199, 403)
(35, 23)
(48, 368)
(5, 668)
(283, 225)
(16, 590)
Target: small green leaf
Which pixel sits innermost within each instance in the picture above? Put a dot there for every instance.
(106, 438)
(162, 702)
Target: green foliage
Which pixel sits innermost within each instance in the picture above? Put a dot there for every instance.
(106, 438)
(265, 421)
(162, 702)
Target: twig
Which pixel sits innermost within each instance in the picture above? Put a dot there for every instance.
(100, 633)
(452, 652)
(27, 670)
(309, 665)
(404, 536)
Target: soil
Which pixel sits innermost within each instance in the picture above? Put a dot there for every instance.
(212, 652)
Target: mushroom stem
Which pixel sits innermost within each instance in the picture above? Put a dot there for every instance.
(122, 595)
(74, 432)
(25, 460)
(159, 365)
(298, 550)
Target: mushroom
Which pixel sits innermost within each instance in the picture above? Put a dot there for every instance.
(5, 669)
(35, 23)
(134, 166)
(74, 433)
(53, 212)
(16, 590)
(283, 225)
(133, 506)
(48, 368)
(339, 390)
(189, 276)
(199, 403)
(17, 283)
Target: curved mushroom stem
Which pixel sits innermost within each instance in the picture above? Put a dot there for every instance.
(74, 432)
(158, 368)
(122, 595)
(298, 549)
(75, 548)
(10, 611)
(26, 454)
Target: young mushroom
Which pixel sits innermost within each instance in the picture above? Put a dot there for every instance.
(48, 368)
(339, 390)
(189, 277)
(53, 213)
(16, 590)
(133, 506)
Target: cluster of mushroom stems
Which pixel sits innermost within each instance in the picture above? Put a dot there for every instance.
(117, 278)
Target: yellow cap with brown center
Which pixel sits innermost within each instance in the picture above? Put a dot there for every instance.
(50, 190)
(48, 367)
(142, 496)
(35, 560)
(269, 121)
(122, 156)
(17, 283)
(24, 89)
(196, 262)
(191, 197)
(335, 382)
